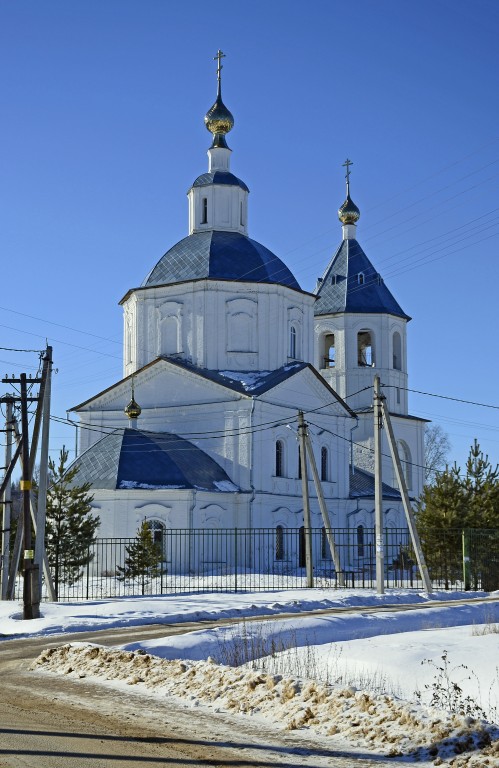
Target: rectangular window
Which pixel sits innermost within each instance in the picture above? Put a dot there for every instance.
(204, 211)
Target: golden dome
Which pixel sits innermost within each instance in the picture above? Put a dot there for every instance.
(133, 409)
(348, 213)
(218, 119)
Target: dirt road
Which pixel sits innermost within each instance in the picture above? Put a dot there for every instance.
(55, 722)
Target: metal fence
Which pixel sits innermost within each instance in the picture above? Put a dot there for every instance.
(266, 559)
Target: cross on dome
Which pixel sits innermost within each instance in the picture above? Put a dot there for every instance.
(220, 55)
(348, 212)
(347, 164)
(218, 119)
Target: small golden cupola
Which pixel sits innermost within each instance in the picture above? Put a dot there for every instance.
(219, 120)
(348, 213)
(133, 410)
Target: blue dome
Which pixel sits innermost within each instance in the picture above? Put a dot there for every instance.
(219, 255)
(219, 177)
(131, 458)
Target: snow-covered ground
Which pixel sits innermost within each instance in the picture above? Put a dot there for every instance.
(420, 683)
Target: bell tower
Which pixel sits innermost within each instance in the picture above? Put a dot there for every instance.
(360, 329)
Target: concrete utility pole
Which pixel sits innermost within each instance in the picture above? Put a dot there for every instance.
(378, 489)
(409, 514)
(306, 501)
(322, 504)
(6, 503)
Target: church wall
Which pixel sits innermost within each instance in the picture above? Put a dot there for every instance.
(218, 325)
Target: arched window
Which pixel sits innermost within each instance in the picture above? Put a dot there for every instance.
(325, 550)
(360, 541)
(397, 351)
(329, 351)
(324, 463)
(292, 342)
(279, 458)
(405, 459)
(279, 543)
(157, 529)
(360, 278)
(365, 351)
(170, 335)
(301, 548)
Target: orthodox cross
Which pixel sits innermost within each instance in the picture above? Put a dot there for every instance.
(347, 164)
(220, 55)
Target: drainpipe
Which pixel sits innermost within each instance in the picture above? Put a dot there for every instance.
(250, 520)
(189, 534)
(356, 426)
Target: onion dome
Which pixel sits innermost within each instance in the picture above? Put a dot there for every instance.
(219, 120)
(133, 409)
(348, 213)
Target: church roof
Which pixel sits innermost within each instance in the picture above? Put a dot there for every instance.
(256, 383)
(219, 177)
(351, 284)
(248, 383)
(220, 255)
(132, 459)
(251, 383)
(362, 486)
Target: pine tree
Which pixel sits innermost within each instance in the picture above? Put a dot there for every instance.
(70, 524)
(440, 519)
(143, 558)
(454, 503)
(481, 486)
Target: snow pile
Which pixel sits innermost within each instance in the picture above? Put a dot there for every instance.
(377, 722)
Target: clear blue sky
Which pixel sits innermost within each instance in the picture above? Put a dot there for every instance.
(102, 107)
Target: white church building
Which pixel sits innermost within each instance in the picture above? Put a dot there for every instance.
(222, 348)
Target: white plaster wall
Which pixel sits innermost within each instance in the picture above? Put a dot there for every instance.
(203, 310)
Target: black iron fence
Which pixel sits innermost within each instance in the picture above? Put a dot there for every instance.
(231, 560)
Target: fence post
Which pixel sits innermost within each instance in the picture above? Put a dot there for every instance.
(466, 557)
(235, 559)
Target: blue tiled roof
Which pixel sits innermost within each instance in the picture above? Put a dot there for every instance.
(223, 256)
(130, 458)
(219, 177)
(341, 290)
(362, 485)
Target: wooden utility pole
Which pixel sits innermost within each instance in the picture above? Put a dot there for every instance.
(322, 504)
(30, 606)
(378, 489)
(27, 454)
(6, 504)
(306, 501)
